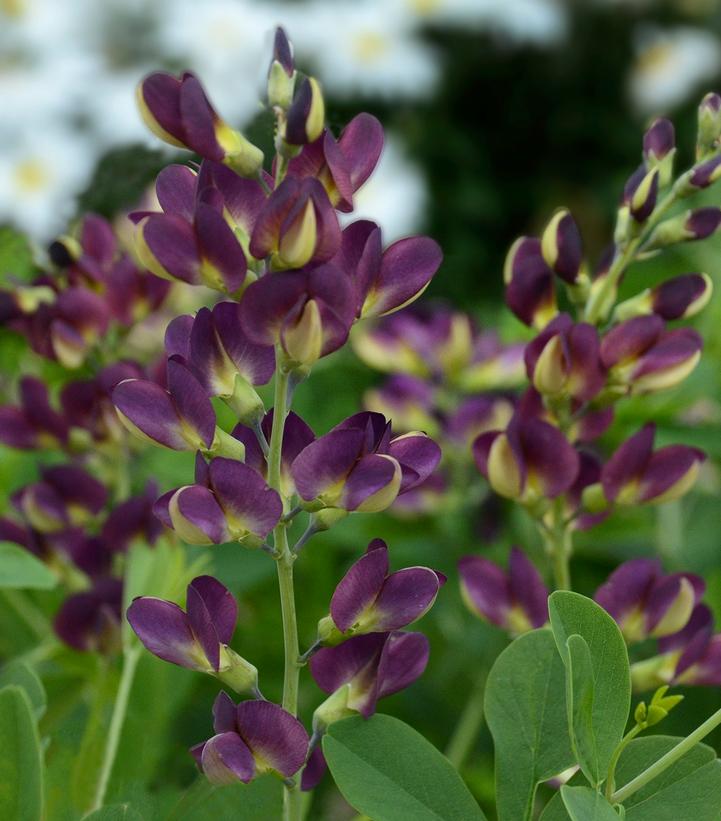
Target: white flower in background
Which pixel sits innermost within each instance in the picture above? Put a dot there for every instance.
(395, 196)
(366, 48)
(227, 43)
(670, 66)
(40, 177)
(539, 21)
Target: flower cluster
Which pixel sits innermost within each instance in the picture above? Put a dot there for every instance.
(447, 378)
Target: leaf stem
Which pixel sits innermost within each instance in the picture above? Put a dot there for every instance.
(667, 760)
(468, 726)
(625, 741)
(559, 545)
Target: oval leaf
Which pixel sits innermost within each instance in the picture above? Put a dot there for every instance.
(18, 568)
(115, 812)
(19, 673)
(526, 711)
(21, 774)
(598, 678)
(388, 771)
(585, 804)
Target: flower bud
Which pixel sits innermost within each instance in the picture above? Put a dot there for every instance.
(641, 192)
(237, 673)
(306, 115)
(303, 342)
(709, 125)
(677, 298)
(701, 176)
(659, 149)
(530, 292)
(333, 709)
(561, 246)
(281, 76)
(699, 223)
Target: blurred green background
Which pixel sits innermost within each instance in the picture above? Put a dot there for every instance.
(500, 126)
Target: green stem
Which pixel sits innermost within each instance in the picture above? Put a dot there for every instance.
(469, 725)
(671, 757)
(625, 741)
(559, 546)
(284, 563)
(120, 709)
(28, 612)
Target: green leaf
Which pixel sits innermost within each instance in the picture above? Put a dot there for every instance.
(261, 800)
(19, 568)
(388, 771)
(585, 804)
(689, 789)
(115, 812)
(21, 767)
(16, 256)
(526, 710)
(19, 673)
(598, 680)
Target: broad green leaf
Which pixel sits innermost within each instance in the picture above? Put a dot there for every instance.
(388, 771)
(115, 812)
(586, 804)
(689, 789)
(19, 673)
(21, 767)
(19, 568)
(261, 800)
(597, 709)
(16, 256)
(526, 712)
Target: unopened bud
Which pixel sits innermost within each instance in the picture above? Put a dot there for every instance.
(709, 125)
(303, 342)
(236, 672)
(64, 251)
(241, 155)
(678, 612)
(306, 115)
(642, 196)
(503, 473)
(245, 402)
(659, 149)
(561, 246)
(281, 76)
(297, 243)
(227, 446)
(593, 499)
(333, 709)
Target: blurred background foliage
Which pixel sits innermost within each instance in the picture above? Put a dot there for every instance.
(511, 114)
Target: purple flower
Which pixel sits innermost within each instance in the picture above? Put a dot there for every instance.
(305, 118)
(679, 297)
(177, 110)
(643, 356)
(90, 621)
(180, 418)
(477, 415)
(252, 738)
(636, 474)
(132, 519)
(342, 165)
(34, 423)
(369, 599)
(564, 360)
(561, 246)
(648, 603)
(702, 222)
(528, 461)
(705, 173)
(309, 312)
(214, 346)
(386, 280)
(516, 600)
(358, 465)
(296, 226)
(314, 770)
(530, 291)
(229, 501)
(659, 140)
(364, 669)
(296, 436)
(197, 637)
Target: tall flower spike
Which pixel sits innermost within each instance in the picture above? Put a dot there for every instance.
(180, 418)
(229, 501)
(642, 356)
(646, 603)
(530, 292)
(364, 669)
(369, 599)
(177, 110)
(252, 738)
(197, 637)
(529, 461)
(358, 465)
(636, 474)
(516, 600)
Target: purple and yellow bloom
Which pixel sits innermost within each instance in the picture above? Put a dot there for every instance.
(296, 226)
(33, 423)
(647, 603)
(642, 356)
(529, 461)
(704, 174)
(516, 600)
(386, 280)
(636, 474)
(530, 290)
(364, 669)
(641, 192)
(305, 118)
(680, 297)
(179, 418)
(561, 246)
(197, 637)
(228, 502)
(251, 738)
(359, 465)
(342, 165)
(90, 621)
(132, 519)
(308, 312)
(564, 360)
(177, 110)
(369, 599)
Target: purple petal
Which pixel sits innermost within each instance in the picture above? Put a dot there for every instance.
(175, 190)
(403, 660)
(255, 363)
(326, 462)
(527, 588)
(273, 735)
(405, 596)
(220, 604)
(627, 587)
(267, 303)
(171, 241)
(372, 484)
(332, 667)
(177, 336)
(197, 517)
(198, 119)
(165, 631)
(191, 401)
(630, 339)
(224, 713)
(418, 457)
(665, 468)
(225, 759)
(628, 462)
(361, 143)
(485, 588)
(160, 93)
(359, 588)
(150, 409)
(77, 487)
(314, 770)
(249, 504)
(550, 460)
(219, 247)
